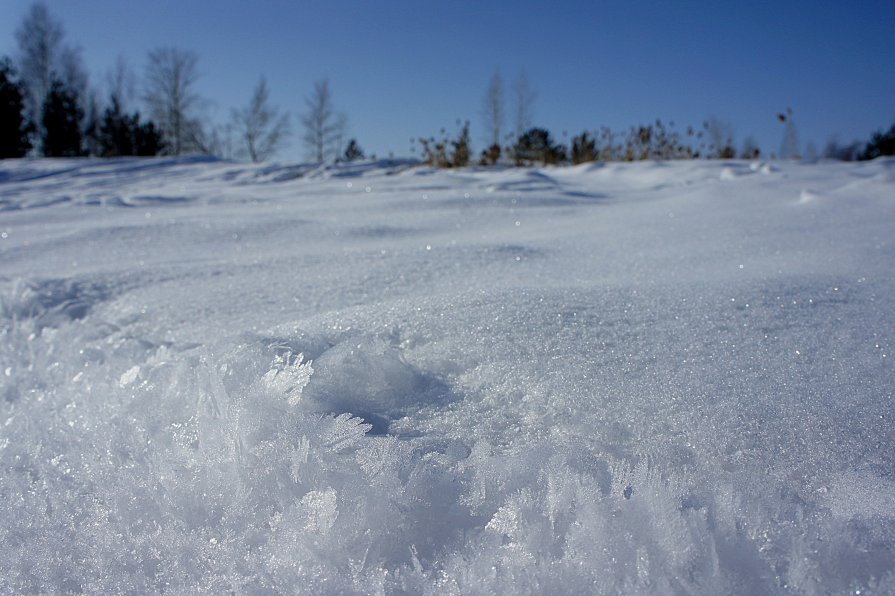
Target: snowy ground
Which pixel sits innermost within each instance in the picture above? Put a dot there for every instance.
(639, 378)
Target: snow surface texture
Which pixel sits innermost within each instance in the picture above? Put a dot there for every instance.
(380, 378)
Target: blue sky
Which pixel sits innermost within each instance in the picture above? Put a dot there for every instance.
(408, 68)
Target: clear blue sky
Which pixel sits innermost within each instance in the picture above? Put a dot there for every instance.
(408, 68)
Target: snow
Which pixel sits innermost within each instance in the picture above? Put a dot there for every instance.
(383, 378)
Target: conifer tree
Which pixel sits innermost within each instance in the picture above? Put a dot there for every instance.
(147, 138)
(353, 151)
(882, 143)
(115, 134)
(62, 123)
(535, 145)
(123, 134)
(14, 127)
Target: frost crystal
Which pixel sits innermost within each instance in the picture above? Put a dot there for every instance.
(288, 376)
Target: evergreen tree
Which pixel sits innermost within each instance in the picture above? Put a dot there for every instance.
(536, 145)
(90, 126)
(122, 134)
(62, 123)
(115, 133)
(147, 138)
(14, 128)
(882, 143)
(353, 152)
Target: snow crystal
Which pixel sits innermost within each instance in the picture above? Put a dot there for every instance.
(129, 376)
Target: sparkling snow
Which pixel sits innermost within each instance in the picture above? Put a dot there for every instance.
(383, 378)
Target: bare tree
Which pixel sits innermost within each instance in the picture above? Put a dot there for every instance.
(524, 97)
(323, 128)
(750, 149)
(40, 43)
(170, 95)
(338, 142)
(121, 83)
(261, 126)
(720, 135)
(43, 58)
(71, 71)
(493, 109)
(789, 147)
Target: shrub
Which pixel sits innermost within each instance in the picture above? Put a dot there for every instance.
(720, 135)
(882, 143)
(656, 141)
(584, 148)
(461, 153)
(535, 145)
(435, 151)
(490, 156)
(750, 149)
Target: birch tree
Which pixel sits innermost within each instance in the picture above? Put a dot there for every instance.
(493, 109)
(39, 39)
(43, 59)
(524, 97)
(170, 94)
(260, 126)
(323, 128)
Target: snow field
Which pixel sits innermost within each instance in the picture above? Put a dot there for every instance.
(378, 378)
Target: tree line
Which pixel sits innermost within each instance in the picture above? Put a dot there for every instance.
(528, 145)
(49, 108)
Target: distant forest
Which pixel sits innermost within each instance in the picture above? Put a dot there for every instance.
(50, 108)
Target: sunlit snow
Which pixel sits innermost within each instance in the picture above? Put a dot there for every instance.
(383, 378)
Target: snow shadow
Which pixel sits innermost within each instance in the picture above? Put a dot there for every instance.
(364, 376)
(371, 379)
(325, 170)
(51, 302)
(382, 231)
(148, 201)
